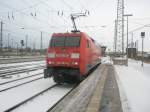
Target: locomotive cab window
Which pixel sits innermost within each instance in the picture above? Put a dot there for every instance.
(87, 44)
(65, 42)
(57, 41)
(72, 42)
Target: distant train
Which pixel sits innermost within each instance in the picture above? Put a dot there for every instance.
(70, 56)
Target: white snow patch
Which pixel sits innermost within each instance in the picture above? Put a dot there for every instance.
(12, 97)
(136, 84)
(45, 101)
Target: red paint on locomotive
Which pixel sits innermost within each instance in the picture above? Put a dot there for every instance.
(70, 56)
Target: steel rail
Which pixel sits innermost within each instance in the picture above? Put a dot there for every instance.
(20, 71)
(21, 84)
(29, 99)
(20, 79)
(10, 67)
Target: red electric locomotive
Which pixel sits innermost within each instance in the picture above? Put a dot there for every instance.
(70, 56)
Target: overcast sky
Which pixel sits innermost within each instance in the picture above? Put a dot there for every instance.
(29, 17)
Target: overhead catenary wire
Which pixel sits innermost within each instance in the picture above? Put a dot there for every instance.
(22, 9)
(41, 21)
(138, 28)
(32, 28)
(81, 4)
(22, 27)
(43, 2)
(67, 5)
(34, 6)
(52, 10)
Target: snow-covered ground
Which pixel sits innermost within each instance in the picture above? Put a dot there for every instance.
(46, 100)
(135, 82)
(16, 95)
(40, 104)
(8, 85)
(14, 57)
(20, 75)
(12, 97)
(23, 63)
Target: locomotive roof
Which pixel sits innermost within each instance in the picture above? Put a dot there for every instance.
(74, 34)
(68, 34)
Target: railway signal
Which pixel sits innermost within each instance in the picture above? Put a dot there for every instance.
(22, 42)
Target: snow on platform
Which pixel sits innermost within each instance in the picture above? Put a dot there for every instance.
(134, 80)
(98, 92)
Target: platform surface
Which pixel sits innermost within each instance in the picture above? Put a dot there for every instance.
(98, 93)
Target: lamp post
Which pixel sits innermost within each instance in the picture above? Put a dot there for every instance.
(1, 37)
(8, 40)
(26, 38)
(142, 36)
(12, 40)
(132, 46)
(16, 47)
(127, 15)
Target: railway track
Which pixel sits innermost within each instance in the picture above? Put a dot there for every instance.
(33, 101)
(31, 98)
(17, 71)
(20, 79)
(51, 108)
(23, 65)
(18, 60)
(20, 84)
(47, 94)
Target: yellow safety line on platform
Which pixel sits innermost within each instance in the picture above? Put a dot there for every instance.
(95, 101)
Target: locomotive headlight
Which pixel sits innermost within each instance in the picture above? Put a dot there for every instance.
(76, 63)
(50, 62)
(75, 55)
(51, 55)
